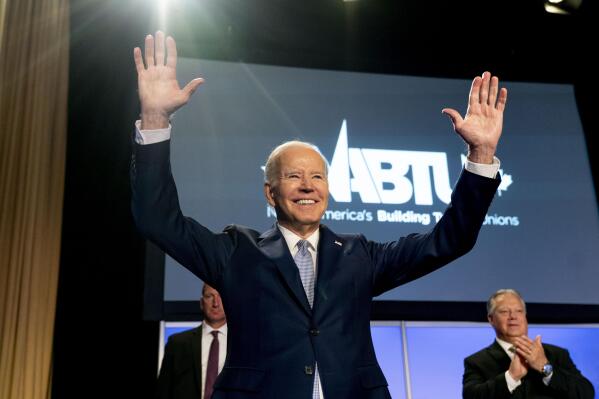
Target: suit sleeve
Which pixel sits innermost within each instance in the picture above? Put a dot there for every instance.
(416, 255)
(476, 386)
(567, 381)
(158, 216)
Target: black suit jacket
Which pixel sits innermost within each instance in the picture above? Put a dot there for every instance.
(181, 371)
(484, 377)
(275, 338)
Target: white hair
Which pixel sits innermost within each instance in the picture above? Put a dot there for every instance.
(492, 302)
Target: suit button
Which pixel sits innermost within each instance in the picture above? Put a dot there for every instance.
(314, 332)
(308, 370)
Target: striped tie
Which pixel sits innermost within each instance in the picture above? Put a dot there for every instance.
(303, 260)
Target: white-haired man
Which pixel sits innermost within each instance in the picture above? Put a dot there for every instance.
(516, 366)
(298, 296)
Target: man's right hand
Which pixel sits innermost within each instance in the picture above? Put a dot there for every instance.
(518, 368)
(159, 92)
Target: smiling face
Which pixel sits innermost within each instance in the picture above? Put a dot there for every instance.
(508, 317)
(299, 190)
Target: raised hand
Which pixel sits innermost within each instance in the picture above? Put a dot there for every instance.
(481, 127)
(159, 92)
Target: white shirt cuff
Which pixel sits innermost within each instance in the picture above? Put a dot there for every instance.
(511, 383)
(483, 169)
(144, 137)
(547, 380)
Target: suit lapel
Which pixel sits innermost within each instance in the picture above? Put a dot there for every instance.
(196, 350)
(497, 353)
(274, 246)
(330, 248)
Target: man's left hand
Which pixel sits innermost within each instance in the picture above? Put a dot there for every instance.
(532, 351)
(482, 125)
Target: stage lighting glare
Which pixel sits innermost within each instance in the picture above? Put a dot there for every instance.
(563, 7)
(162, 11)
(551, 9)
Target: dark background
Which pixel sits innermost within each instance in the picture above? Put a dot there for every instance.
(103, 348)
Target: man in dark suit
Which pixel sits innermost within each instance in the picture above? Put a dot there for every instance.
(298, 296)
(187, 370)
(515, 366)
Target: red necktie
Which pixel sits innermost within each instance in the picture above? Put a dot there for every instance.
(212, 368)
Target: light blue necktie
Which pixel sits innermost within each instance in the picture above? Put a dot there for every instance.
(303, 260)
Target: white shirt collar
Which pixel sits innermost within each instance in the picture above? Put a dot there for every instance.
(291, 238)
(505, 346)
(207, 329)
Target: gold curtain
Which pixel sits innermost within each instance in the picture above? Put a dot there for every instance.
(34, 56)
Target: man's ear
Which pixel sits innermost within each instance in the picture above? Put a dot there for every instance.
(269, 194)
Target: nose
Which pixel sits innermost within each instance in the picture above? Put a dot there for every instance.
(306, 184)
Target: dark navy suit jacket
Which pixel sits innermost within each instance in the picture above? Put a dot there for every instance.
(484, 377)
(274, 338)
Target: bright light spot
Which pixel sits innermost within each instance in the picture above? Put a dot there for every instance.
(562, 6)
(162, 6)
(550, 8)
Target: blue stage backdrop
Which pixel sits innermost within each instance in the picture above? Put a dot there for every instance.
(424, 360)
(394, 158)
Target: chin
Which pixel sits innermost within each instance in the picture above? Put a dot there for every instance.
(310, 222)
(310, 225)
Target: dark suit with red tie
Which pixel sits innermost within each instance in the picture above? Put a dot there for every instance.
(275, 338)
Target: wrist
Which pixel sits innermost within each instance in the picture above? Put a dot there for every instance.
(151, 120)
(547, 369)
(482, 155)
(540, 364)
(515, 376)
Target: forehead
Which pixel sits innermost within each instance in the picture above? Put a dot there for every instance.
(508, 300)
(300, 157)
(208, 290)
